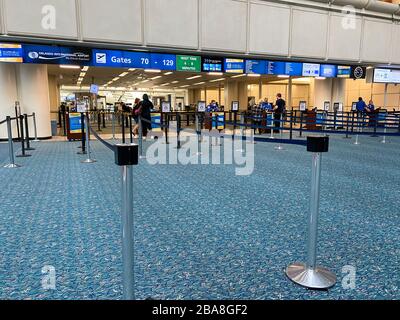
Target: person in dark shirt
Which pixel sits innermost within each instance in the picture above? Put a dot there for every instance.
(145, 113)
(279, 110)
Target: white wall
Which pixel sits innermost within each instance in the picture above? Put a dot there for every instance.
(274, 28)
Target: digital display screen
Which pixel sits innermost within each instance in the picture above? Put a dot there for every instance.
(275, 68)
(234, 65)
(311, 70)
(328, 71)
(386, 76)
(256, 66)
(293, 69)
(121, 59)
(201, 106)
(10, 52)
(343, 71)
(166, 107)
(212, 64)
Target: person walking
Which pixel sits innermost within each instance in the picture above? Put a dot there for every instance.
(145, 112)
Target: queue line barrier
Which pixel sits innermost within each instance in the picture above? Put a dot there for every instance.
(24, 137)
(126, 157)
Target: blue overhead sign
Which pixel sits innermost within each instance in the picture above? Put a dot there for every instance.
(10, 52)
(130, 59)
(56, 55)
(234, 65)
(293, 69)
(276, 68)
(256, 66)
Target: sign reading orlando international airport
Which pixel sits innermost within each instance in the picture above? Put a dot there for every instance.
(188, 63)
(10, 52)
(56, 55)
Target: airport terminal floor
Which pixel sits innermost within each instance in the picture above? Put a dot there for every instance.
(200, 231)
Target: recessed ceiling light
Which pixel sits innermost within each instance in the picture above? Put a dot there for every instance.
(199, 83)
(216, 80)
(320, 78)
(131, 69)
(185, 86)
(124, 74)
(116, 79)
(63, 66)
(152, 70)
(155, 78)
(144, 81)
(254, 75)
(164, 84)
(239, 76)
(283, 76)
(175, 82)
(194, 77)
(168, 73)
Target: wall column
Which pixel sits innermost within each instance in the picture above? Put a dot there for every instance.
(338, 91)
(323, 92)
(33, 93)
(231, 93)
(8, 96)
(243, 95)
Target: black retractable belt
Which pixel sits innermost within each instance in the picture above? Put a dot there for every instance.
(123, 128)
(21, 124)
(27, 138)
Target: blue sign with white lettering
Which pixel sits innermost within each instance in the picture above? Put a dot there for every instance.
(57, 55)
(121, 59)
(256, 66)
(293, 68)
(276, 68)
(163, 61)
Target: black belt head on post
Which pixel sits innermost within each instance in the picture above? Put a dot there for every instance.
(318, 144)
(126, 154)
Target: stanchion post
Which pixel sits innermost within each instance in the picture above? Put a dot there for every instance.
(141, 156)
(291, 125)
(126, 156)
(280, 147)
(178, 131)
(301, 124)
(308, 274)
(385, 130)
(17, 115)
(104, 119)
(272, 125)
(35, 127)
(83, 137)
(113, 125)
(21, 125)
(130, 128)
(89, 158)
(347, 126)
(166, 126)
(12, 163)
(27, 137)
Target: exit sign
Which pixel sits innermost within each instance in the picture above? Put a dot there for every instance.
(188, 63)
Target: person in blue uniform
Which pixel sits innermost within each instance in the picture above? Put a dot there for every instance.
(361, 105)
(213, 107)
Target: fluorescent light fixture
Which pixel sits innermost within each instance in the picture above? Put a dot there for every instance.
(320, 78)
(144, 81)
(124, 74)
(185, 86)
(168, 73)
(82, 75)
(239, 76)
(85, 68)
(254, 75)
(131, 69)
(175, 82)
(199, 83)
(283, 76)
(194, 77)
(152, 70)
(66, 66)
(216, 80)
(164, 84)
(116, 79)
(155, 78)
(215, 74)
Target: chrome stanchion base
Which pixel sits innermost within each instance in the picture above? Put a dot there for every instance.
(319, 278)
(24, 156)
(89, 161)
(279, 148)
(12, 165)
(36, 140)
(198, 154)
(356, 143)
